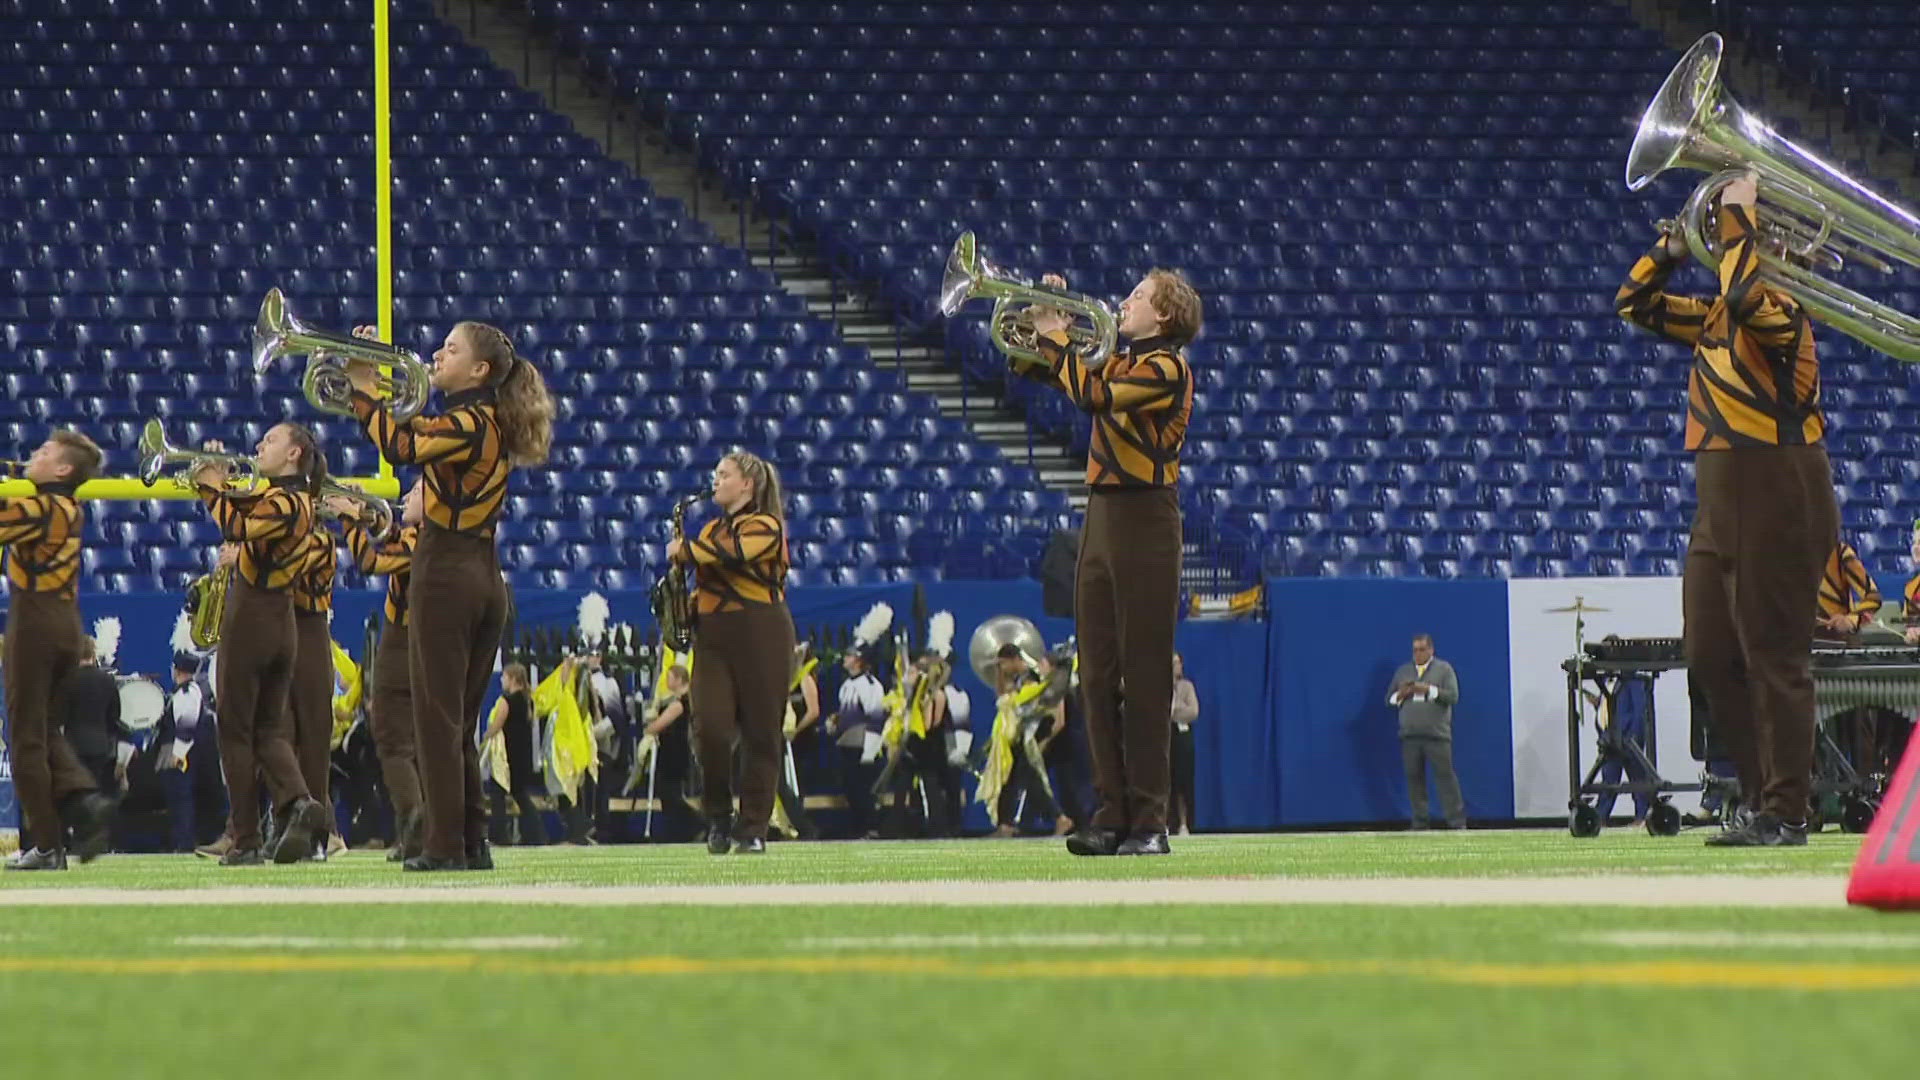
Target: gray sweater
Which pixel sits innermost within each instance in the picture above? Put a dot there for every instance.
(1427, 715)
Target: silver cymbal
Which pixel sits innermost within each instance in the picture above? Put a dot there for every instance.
(1579, 604)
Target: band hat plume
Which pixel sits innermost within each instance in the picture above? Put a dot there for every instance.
(940, 634)
(873, 625)
(182, 640)
(106, 641)
(592, 619)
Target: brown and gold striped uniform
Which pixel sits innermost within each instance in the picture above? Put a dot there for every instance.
(1141, 399)
(393, 558)
(740, 561)
(42, 536)
(313, 588)
(272, 528)
(1911, 593)
(1847, 588)
(466, 465)
(1756, 378)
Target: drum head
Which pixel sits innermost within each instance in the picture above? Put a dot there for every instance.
(141, 703)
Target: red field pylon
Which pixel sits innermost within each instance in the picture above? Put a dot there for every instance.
(1887, 873)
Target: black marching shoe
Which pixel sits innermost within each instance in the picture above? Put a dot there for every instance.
(91, 818)
(1093, 840)
(752, 845)
(428, 864)
(36, 859)
(1145, 844)
(719, 836)
(1763, 830)
(240, 856)
(306, 823)
(480, 856)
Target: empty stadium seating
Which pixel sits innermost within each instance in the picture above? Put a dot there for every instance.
(164, 162)
(1407, 218)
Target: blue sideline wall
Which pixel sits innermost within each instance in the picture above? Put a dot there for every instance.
(1294, 730)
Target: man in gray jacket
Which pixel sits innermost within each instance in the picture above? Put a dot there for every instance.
(1425, 691)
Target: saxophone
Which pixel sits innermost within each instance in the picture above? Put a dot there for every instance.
(672, 599)
(207, 601)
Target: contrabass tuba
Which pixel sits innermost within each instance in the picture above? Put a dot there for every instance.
(277, 333)
(970, 275)
(672, 599)
(1811, 217)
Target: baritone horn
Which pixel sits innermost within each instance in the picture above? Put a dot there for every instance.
(970, 276)
(371, 510)
(207, 603)
(277, 333)
(157, 458)
(1810, 216)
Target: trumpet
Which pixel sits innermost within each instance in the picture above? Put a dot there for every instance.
(370, 510)
(969, 276)
(157, 458)
(277, 333)
(1810, 217)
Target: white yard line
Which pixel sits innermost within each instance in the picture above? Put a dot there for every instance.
(888, 942)
(1739, 939)
(1613, 890)
(269, 941)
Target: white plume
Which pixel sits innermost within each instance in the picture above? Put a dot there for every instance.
(183, 634)
(593, 618)
(940, 633)
(874, 624)
(106, 640)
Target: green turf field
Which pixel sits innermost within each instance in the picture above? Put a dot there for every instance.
(539, 987)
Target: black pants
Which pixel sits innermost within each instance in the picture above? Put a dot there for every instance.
(1416, 754)
(920, 775)
(1066, 760)
(1180, 808)
(1027, 780)
(856, 782)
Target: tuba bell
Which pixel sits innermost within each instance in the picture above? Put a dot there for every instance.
(277, 333)
(372, 511)
(157, 458)
(1810, 216)
(983, 651)
(969, 276)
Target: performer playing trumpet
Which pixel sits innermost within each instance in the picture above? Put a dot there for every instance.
(497, 416)
(1127, 589)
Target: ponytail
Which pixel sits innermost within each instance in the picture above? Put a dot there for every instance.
(767, 496)
(522, 405)
(313, 463)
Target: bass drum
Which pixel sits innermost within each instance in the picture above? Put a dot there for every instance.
(141, 703)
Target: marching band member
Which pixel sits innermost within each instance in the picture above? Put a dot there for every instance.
(189, 756)
(41, 533)
(744, 638)
(497, 415)
(1014, 772)
(1767, 519)
(1848, 596)
(1129, 572)
(311, 693)
(512, 723)
(673, 754)
(803, 710)
(860, 717)
(270, 529)
(391, 694)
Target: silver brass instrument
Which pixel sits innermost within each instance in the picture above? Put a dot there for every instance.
(983, 652)
(970, 276)
(277, 333)
(1810, 216)
(672, 599)
(157, 458)
(372, 511)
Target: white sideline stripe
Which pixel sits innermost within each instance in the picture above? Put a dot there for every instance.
(274, 942)
(1005, 941)
(1717, 891)
(1738, 939)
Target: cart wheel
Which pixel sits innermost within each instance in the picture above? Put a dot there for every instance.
(1663, 819)
(1584, 821)
(1857, 817)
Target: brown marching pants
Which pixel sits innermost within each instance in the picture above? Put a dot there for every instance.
(43, 648)
(456, 611)
(254, 674)
(311, 699)
(743, 663)
(1766, 523)
(1126, 602)
(392, 714)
